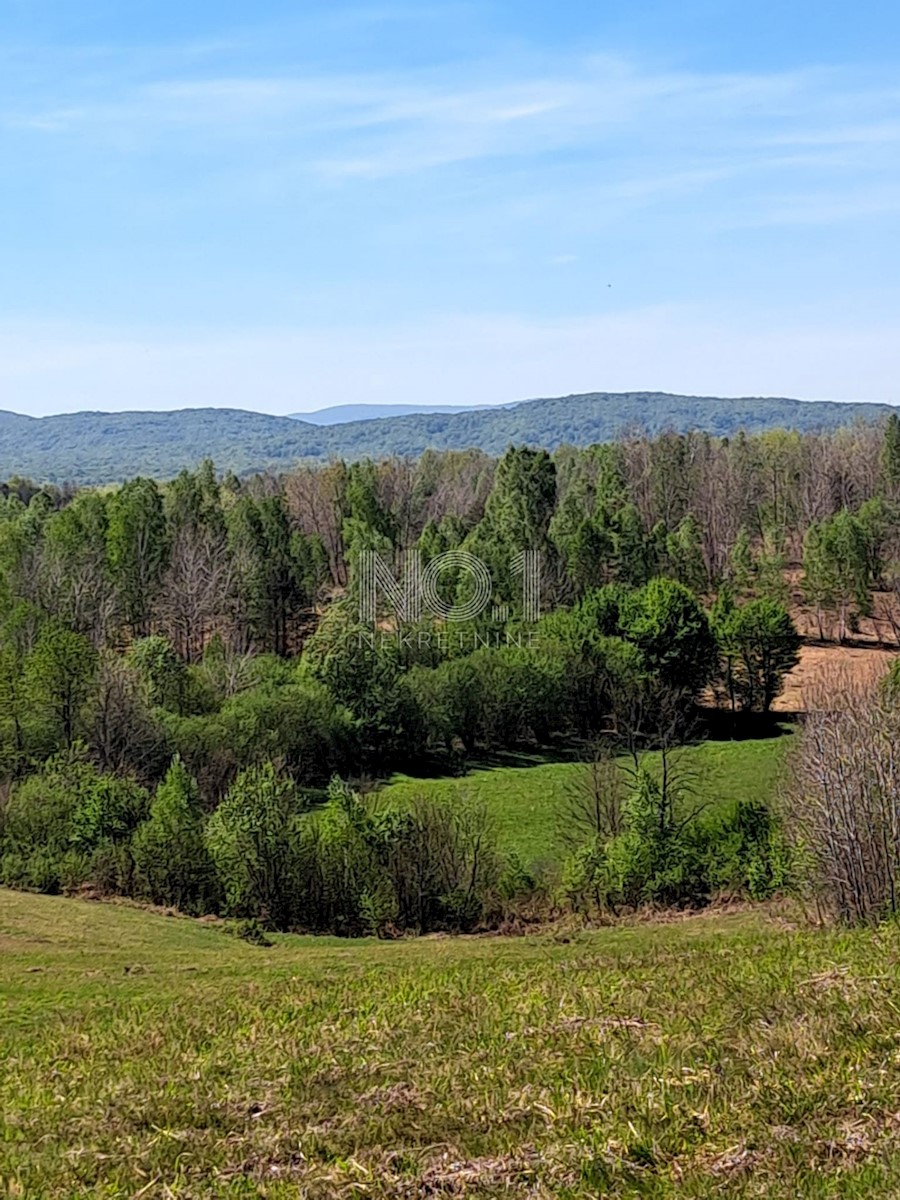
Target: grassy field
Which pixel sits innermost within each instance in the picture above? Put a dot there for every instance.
(527, 803)
(721, 1055)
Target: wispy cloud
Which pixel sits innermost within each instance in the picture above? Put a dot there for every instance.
(577, 99)
(643, 132)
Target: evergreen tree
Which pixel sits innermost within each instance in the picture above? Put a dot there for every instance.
(890, 457)
(172, 863)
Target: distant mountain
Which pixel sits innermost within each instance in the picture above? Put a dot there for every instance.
(91, 447)
(341, 414)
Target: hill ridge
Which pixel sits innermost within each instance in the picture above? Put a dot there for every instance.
(97, 447)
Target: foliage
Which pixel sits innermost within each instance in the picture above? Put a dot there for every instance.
(58, 674)
(421, 867)
(667, 624)
(837, 566)
(759, 645)
(56, 820)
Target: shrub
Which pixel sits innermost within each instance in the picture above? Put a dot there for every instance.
(55, 821)
(749, 853)
(425, 867)
(657, 850)
(658, 858)
(843, 810)
(298, 724)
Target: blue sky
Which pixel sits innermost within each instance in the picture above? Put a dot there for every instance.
(281, 206)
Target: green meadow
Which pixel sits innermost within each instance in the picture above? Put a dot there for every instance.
(527, 800)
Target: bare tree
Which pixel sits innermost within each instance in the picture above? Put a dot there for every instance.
(843, 804)
(594, 803)
(121, 733)
(315, 500)
(197, 590)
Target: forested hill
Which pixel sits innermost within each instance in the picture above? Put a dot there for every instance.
(104, 447)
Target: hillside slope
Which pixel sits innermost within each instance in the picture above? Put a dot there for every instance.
(92, 447)
(726, 1055)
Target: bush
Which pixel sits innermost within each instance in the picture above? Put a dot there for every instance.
(663, 854)
(351, 868)
(749, 853)
(54, 822)
(843, 807)
(659, 856)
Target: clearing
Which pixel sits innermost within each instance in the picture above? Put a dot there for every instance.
(527, 803)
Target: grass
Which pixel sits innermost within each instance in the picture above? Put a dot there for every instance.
(721, 1055)
(527, 803)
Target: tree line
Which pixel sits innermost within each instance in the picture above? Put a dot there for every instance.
(210, 624)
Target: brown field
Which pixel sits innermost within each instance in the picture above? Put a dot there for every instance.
(827, 667)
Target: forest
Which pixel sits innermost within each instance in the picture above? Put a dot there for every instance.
(97, 447)
(193, 713)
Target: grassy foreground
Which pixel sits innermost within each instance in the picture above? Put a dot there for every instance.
(722, 1055)
(527, 803)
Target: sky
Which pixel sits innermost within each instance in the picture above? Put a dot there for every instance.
(282, 206)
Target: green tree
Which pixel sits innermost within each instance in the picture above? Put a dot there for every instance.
(363, 671)
(637, 552)
(274, 570)
(684, 551)
(666, 622)
(836, 568)
(75, 578)
(890, 457)
(741, 565)
(517, 517)
(58, 672)
(137, 547)
(163, 675)
(17, 725)
(760, 646)
(252, 838)
(172, 863)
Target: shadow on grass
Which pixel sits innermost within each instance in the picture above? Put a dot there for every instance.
(713, 725)
(720, 725)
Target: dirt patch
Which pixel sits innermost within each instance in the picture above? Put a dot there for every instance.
(881, 628)
(821, 665)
